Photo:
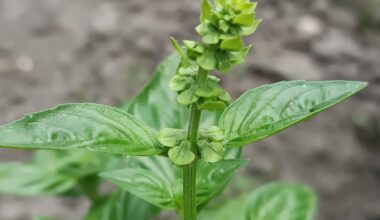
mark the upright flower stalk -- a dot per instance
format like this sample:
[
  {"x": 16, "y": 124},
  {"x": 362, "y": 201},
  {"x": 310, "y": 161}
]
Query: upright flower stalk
[{"x": 223, "y": 24}]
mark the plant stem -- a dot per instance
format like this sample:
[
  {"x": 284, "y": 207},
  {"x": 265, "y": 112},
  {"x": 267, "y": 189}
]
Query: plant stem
[{"x": 190, "y": 171}]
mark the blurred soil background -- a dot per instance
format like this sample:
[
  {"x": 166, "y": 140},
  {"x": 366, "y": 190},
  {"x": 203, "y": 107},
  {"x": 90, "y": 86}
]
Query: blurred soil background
[{"x": 54, "y": 51}]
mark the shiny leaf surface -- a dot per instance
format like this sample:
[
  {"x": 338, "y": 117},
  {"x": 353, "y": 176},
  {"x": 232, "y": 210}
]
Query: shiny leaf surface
[
  {"x": 81, "y": 126},
  {"x": 269, "y": 109},
  {"x": 212, "y": 178},
  {"x": 278, "y": 201},
  {"x": 144, "y": 184}
]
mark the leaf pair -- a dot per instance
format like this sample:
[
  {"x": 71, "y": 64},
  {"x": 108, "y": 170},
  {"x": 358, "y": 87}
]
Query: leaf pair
[
  {"x": 157, "y": 181},
  {"x": 155, "y": 95}
]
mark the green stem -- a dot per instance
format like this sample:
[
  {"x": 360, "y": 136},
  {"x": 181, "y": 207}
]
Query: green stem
[{"x": 190, "y": 171}]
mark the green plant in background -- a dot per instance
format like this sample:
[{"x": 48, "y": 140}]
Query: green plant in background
[{"x": 176, "y": 148}]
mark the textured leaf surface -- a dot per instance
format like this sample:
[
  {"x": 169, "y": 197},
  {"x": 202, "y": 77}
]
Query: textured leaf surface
[
  {"x": 121, "y": 205},
  {"x": 279, "y": 201},
  {"x": 64, "y": 171},
  {"x": 157, "y": 105},
  {"x": 266, "y": 110},
  {"x": 81, "y": 126},
  {"x": 212, "y": 178},
  {"x": 144, "y": 184},
  {"x": 27, "y": 179},
  {"x": 150, "y": 102}
]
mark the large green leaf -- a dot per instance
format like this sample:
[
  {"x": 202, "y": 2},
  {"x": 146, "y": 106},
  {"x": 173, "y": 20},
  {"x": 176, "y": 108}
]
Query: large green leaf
[
  {"x": 266, "y": 110},
  {"x": 157, "y": 104},
  {"x": 28, "y": 179},
  {"x": 275, "y": 201},
  {"x": 81, "y": 126},
  {"x": 278, "y": 201},
  {"x": 143, "y": 184},
  {"x": 121, "y": 205},
  {"x": 62, "y": 175}
]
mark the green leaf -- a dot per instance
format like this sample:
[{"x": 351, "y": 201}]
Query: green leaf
[
  {"x": 211, "y": 105},
  {"x": 211, "y": 38},
  {"x": 179, "y": 83},
  {"x": 207, "y": 60},
  {"x": 188, "y": 97},
  {"x": 147, "y": 105},
  {"x": 81, "y": 126},
  {"x": 144, "y": 184},
  {"x": 212, "y": 133},
  {"x": 228, "y": 210},
  {"x": 170, "y": 137},
  {"x": 234, "y": 44},
  {"x": 208, "y": 89},
  {"x": 62, "y": 177},
  {"x": 252, "y": 28},
  {"x": 206, "y": 10},
  {"x": 212, "y": 178},
  {"x": 239, "y": 57},
  {"x": 269, "y": 109},
  {"x": 244, "y": 19},
  {"x": 278, "y": 201},
  {"x": 188, "y": 68},
  {"x": 211, "y": 152},
  {"x": 182, "y": 155},
  {"x": 177, "y": 47},
  {"x": 121, "y": 205},
  {"x": 29, "y": 179}
]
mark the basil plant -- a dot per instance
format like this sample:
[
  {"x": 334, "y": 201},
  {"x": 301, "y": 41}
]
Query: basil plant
[{"x": 178, "y": 143}]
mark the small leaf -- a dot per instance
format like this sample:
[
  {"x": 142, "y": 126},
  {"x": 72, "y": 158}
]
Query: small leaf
[
  {"x": 244, "y": 19},
  {"x": 224, "y": 63},
  {"x": 211, "y": 38},
  {"x": 170, "y": 137},
  {"x": 211, "y": 152},
  {"x": 278, "y": 201},
  {"x": 208, "y": 89},
  {"x": 206, "y": 10},
  {"x": 252, "y": 28},
  {"x": 179, "y": 83},
  {"x": 87, "y": 126},
  {"x": 269, "y": 109},
  {"x": 187, "y": 97},
  {"x": 212, "y": 105},
  {"x": 239, "y": 57},
  {"x": 182, "y": 155},
  {"x": 212, "y": 133},
  {"x": 234, "y": 44},
  {"x": 177, "y": 47},
  {"x": 224, "y": 26},
  {"x": 143, "y": 184},
  {"x": 225, "y": 96},
  {"x": 207, "y": 60}
]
